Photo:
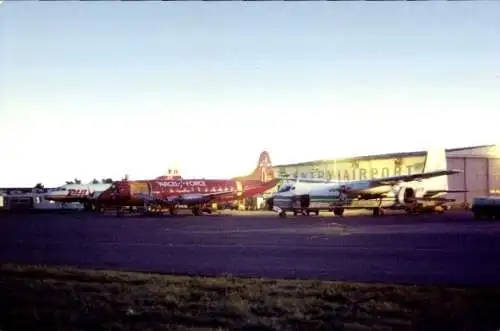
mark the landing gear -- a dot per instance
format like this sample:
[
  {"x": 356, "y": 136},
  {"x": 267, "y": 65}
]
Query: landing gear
[
  {"x": 308, "y": 212},
  {"x": 152, "y": 210},
  {"x": 98, "y": 208},
  {"x": 87, "y": 206},
  {"x": 158, "y": 210},
  {"x": 337, "y": 211},
  {"x": 270, "y": 203},
  {"x": 196, "y": 211},
  {"x": 410, "y": 211},
  {"x": 378, "y": 212},
  {"x": 439, "y": 209},
  {"x": 119, "y": 211}
]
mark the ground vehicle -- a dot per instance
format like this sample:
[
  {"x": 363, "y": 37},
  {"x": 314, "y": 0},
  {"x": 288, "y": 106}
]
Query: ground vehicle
[{"x": 486, "y": 208}]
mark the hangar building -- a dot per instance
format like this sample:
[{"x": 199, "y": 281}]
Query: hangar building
[{"x": 480, "y": 165}]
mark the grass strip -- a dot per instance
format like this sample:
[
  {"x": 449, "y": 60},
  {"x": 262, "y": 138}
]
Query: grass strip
[{"x": 59, "y": 298}]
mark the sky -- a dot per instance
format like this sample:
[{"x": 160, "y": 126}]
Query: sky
[{"x": 103, "y": 89}]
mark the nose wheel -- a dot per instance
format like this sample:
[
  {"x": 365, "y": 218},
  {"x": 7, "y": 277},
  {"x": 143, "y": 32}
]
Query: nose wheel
[{"x": 378, "y": 212}]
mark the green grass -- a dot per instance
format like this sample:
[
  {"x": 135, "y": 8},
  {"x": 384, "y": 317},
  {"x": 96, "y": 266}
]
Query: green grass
[{"x": 42, "y": 298}]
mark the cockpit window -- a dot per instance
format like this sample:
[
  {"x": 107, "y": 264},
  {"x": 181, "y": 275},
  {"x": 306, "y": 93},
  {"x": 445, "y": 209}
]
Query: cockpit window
[{"x": 285, "y": 188}]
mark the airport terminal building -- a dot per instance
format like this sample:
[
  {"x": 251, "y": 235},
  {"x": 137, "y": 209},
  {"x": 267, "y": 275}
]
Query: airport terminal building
[{"x": 480, "y": 166}]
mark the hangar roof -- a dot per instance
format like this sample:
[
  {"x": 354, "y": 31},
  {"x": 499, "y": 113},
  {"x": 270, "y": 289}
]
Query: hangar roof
[
  {"x": 382, "y": 156},
  {"x": 484, "y": 151}
]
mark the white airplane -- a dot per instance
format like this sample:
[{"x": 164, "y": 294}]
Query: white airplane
[
  {"x": 410, "y": 192},
  {"x": 82, "y": 193}
]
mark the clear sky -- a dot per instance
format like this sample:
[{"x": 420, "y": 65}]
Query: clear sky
[{"x": 93, "y": 89}]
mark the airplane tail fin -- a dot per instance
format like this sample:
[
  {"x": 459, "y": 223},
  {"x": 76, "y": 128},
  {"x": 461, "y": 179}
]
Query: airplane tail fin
[
  {"x": 263, "y": 171},
  {"x": 434, "y": 161}
]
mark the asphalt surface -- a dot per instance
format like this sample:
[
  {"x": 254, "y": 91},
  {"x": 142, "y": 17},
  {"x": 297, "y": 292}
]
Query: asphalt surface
[{"x": 451, "y": 248}]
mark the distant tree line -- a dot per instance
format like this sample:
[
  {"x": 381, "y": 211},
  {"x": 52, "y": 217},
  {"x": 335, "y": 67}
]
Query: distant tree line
[{"x": 40, "y": 186}]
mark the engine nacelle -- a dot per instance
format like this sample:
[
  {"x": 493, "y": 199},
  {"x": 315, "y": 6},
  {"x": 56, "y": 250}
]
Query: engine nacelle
[
  {"x": 195, "y": 198},
  {"x": 406, "y": 195}
]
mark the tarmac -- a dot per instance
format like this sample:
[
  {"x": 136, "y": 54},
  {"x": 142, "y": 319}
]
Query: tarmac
[{"x": 451, "y": 248}]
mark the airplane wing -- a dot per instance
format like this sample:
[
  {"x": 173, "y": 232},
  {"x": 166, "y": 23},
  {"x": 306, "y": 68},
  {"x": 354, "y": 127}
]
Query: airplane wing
[
  {"x": 393, "y": 180},
  {"x": 373, "y": 184},
  {"x": 431, "y": 193},
  {"x": 414, "y": 177},
  {"x": 147, "y": 198},
  {"x": 188, "y": 198}
]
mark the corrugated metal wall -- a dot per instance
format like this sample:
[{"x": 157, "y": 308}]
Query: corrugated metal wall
[
  {"x": 494, "y": 176},
  {"x": 456, "y": 182},
  {"x": 481, "y": 177},
  {"x": 476, "y": 174}
]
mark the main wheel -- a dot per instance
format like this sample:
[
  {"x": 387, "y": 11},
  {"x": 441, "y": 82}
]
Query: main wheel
[
  {"x": 337, "y": 211},
  {"x": 196, "y": 211},
  {"x": 270, "y": 203}
]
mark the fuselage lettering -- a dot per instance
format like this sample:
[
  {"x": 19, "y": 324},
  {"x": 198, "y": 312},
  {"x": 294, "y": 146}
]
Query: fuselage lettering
[
  {"x": 77, "y": 192},
  {"x": 183, "y": 183}
]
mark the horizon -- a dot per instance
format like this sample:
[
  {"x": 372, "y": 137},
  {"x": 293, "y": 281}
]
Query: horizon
[{"x": 99, "y": 90}]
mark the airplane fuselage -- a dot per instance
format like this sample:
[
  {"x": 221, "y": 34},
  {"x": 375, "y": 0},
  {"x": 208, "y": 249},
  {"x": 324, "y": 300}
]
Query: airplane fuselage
[
  {"x": 357, "y": 195},
  {"x": 76, "y": 192},
  {"x": 130, "y": 193}
]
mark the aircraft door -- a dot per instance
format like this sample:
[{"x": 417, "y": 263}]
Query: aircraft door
[{"x": 138, "y": 188}]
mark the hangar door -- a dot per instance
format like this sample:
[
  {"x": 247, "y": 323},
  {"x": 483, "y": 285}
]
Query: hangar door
[
  {"x": 456, "y": 182},
  {"x": 494, "y": 176},
  {"x": 476, "y": 175}
]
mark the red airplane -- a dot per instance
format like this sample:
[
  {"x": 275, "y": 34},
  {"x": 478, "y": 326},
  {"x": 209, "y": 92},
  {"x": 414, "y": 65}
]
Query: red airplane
[{"x": 170, "y": 192}]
